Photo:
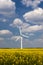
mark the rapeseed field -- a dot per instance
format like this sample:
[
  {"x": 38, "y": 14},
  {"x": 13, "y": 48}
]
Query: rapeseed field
[{"x": 29, "y": 56}]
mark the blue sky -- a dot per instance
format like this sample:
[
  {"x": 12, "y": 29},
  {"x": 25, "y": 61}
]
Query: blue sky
[{"x": 26, "y": 15}]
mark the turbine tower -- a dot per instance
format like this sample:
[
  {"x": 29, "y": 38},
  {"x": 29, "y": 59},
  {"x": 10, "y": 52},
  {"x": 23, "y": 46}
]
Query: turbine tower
[{"x": 21, "y": 43}]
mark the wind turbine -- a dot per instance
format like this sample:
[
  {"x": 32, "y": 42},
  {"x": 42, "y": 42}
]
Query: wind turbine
[
  {"x": 19, "y": 24},
  {"x": 21, "y": 36}
]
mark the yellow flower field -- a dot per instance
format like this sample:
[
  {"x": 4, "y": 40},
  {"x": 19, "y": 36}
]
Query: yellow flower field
[{"x": 29, "y": 56}]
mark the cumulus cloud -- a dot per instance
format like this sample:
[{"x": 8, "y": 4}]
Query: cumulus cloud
[
  {"x": 3, "y": 20},
  {"x": 33, "y": 28},
  {"x": 35, "y": 16},
  {"x": 5, "y": 33},
  {"x": 16, "y": 23},
  {"x": 7, "y": 7},
  {"x": 5, "y": 40},
  {"x": 19, "y": 23},
  {"x": 6, "y": 3},
  {"x": 32, "y": 3}
]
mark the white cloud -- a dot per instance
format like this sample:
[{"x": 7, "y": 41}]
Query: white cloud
[
  {"x": 7, "y": 7},
  {"x": 35, "y": 16},
  {"x": 5, "y": 32},
  {"x": 19, "y": 23},
  {"x": 3, "y": 20},
  {"x": 6, "y": 3},
  {"x": 5, "y": 35},
  {"x": 33, "y": 28},
  {"x": 33, "y": 3}
]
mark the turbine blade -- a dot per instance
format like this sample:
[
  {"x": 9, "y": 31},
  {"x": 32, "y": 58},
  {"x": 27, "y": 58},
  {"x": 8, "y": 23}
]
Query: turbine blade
[
  {"x": 24, "y": 36},
  {"x": 17, "y": 38}
]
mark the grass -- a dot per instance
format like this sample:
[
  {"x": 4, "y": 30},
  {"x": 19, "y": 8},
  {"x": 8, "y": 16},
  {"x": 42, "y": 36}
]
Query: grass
[{"x": 31, "y": 56}]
